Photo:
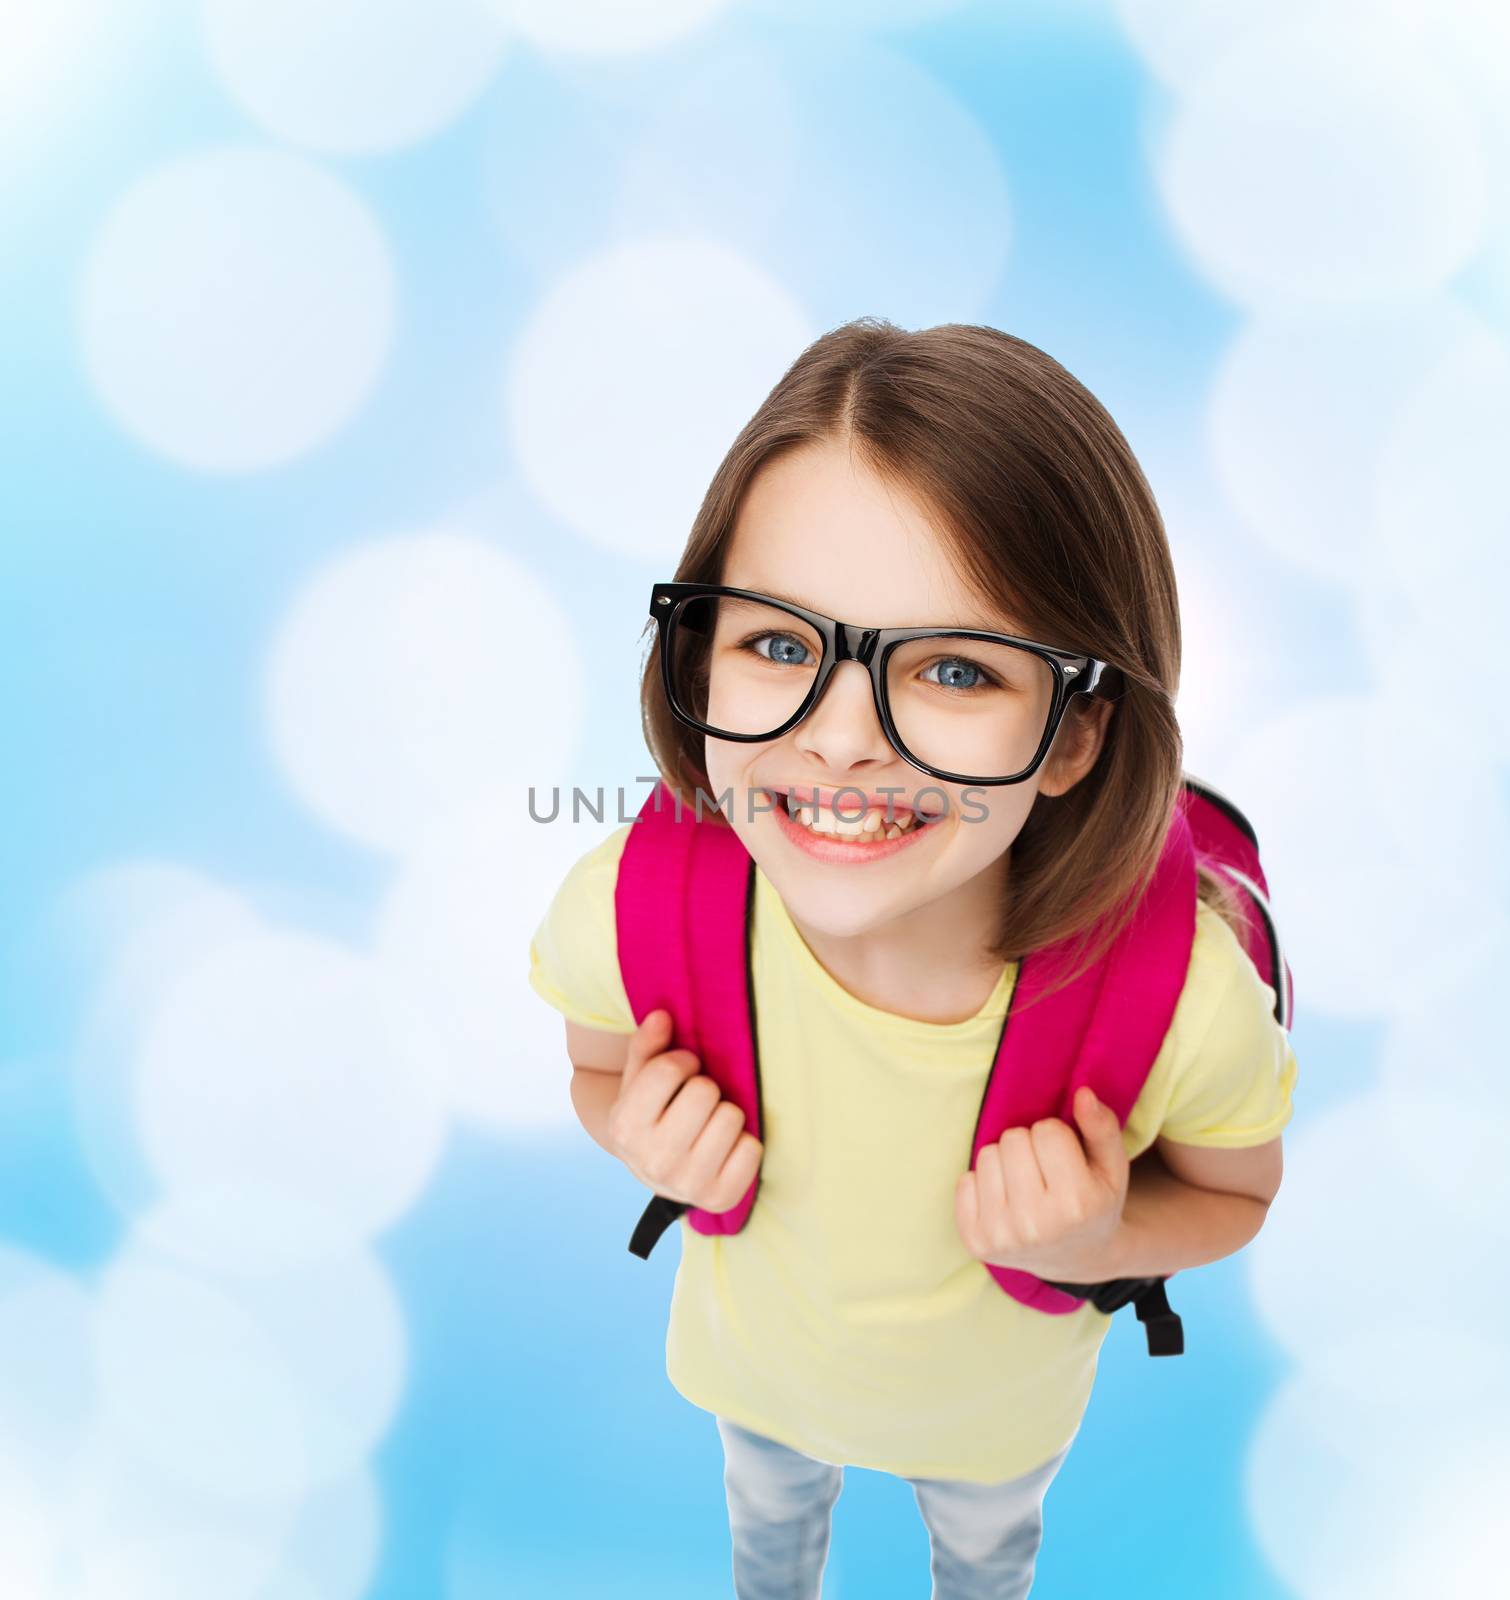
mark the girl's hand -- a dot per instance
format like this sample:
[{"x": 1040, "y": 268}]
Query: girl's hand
[
  {"x": 1041, "y": 1202},
  {"x": 671, "y": 1126}
]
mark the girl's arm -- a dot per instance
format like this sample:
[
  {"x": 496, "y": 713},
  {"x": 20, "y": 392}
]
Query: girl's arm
[
  {"x": 1188, "y": 1204},
  {"x": 597, "y": 1060}
]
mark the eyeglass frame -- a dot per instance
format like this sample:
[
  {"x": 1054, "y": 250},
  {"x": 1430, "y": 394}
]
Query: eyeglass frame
[{"x": 1074, "y": 671}]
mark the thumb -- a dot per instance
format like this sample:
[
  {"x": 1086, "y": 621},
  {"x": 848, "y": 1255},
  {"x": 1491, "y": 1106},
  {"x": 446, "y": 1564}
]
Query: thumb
[
  {"x": 1102, "y": 1133},
  {"x": 650, "y": 1038}
]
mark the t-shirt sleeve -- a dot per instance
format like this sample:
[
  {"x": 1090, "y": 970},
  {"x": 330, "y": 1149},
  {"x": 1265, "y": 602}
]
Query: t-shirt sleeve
[
  {"x": 574, "y": 952},
  {"x": 1232, "y": 1081}
]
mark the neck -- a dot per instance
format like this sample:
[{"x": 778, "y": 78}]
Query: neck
[{"x": 932, "y": 964}]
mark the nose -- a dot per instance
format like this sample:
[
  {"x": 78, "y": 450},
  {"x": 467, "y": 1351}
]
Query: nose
[{"x": 843, "y": 729}]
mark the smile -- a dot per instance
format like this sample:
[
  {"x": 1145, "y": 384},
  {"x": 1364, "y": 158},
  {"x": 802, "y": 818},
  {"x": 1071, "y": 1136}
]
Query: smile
[{"x": 810, "y": 819}]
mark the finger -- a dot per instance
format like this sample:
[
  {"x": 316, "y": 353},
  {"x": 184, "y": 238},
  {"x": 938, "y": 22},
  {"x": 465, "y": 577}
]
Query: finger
[
  {"x": 649, "y": 1039},
  {"x": 658, "y": 1083},
  {"x": 657, "y": 1144},
  {"x": 1061, "y": 1156},
  {"x": 679, "y": 1126},
  {"x": 709, "y": 1168},
  {"x": 1025, "y": 1186},
  {"x": 644, "y": 1099},
  {"x": 991, "y": 1191},
  {"x": 967, "y": 1212},
  {"x": 1106, "y": 1154},
  {"x": 737, "y": 1173}
]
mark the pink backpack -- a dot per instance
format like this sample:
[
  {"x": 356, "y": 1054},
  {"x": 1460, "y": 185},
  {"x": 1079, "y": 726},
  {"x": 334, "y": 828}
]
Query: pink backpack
[{"x": 682, "y": 902}]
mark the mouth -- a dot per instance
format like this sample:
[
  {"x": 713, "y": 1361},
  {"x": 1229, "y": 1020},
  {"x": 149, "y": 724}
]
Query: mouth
[{"x": 884, "y": 819}]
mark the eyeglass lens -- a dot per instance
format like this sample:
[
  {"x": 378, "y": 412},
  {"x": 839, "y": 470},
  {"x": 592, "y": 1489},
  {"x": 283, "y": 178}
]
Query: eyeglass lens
[{"x": 968, "y": 706}]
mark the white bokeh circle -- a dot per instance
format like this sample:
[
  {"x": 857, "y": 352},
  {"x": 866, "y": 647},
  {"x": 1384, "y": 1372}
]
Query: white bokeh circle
[
  {"x": 452, "y": 938},
  {"x": 1180, "y": 39},
  {"x": 1346, "y": 1468},
  {"x": 282, "y": 1062},
  {"x": 1450, "y": 1538},
  {"x": 195, "y": 1385},
  {"x": 335, "y": 75},
  {"x": 1443, "y": 1086},
  {"x": 251, "y": 1226},
  {"x": 236, "y": 307},
  {"x": 258, "y": 1389},
  {"x": 413, "y": 670},
  {"x": 137, "y": 1533},
  {"x": 1301, "y": 420},
  {"x": 792, "y": 159},
  {"x": 1430, "y": 598},
  {"x": 632, "y": 376},
  {"x": 137, "y": 926},
  {"x": 1411, "y": 641},
  {"x": 759, "y": 147},
  {"x": 706, "y": 145},
  {"x": 339, "y": 1328},
  {"x": 1352, "y": 1231},
  {"x": 1470, "y": 41},
  {"x": 47, "y": 1382},
  {"x": 1443, "y": 513},
  {"x": 185, "y": 1562},
  {"x": 1225, "y": 646},
  {"x": 1323, "y": 163},
  {"x": 335, "y": 1541},
  {"x": 30, "y": 1539},
  {"x": 1427, "y": 844}
]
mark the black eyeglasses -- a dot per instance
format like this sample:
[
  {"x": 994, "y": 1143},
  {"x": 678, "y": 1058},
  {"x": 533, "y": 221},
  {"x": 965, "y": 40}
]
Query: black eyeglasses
[{"x": 741, "y": 665}]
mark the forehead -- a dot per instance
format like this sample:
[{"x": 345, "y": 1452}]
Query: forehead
[{"x": 819, "y": 529}]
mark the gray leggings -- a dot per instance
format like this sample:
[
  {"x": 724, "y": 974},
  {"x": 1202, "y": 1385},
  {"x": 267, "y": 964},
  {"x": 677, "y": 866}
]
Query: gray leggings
[{"x": 984, "y": 1537}]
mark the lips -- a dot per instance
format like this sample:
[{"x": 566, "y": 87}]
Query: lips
[{"x": 824, "y": 839}]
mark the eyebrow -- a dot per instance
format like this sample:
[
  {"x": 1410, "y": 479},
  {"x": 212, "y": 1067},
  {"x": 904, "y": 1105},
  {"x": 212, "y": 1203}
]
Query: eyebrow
[
  {"x": 776, "y": 594},
  {"x": 807, "y": 605}
]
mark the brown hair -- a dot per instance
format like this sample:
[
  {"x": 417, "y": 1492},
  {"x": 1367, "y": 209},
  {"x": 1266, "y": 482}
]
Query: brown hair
[{"x": 1040, "y": 501}]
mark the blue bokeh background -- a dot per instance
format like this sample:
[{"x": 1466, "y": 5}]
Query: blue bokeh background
[{"x": 360, "y": 368}]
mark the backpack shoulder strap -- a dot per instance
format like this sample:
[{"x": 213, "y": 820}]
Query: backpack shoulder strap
[
  {"x": 1225, "y": 840},
  {"x": 682, "y": 903},
  {"x": 1105, "y": 1029}
]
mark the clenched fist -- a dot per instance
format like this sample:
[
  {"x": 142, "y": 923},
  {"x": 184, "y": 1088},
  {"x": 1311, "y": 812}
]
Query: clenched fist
[
  {"x": 672, "y": 1128},
  {"x": 1042, "y": 1202}
]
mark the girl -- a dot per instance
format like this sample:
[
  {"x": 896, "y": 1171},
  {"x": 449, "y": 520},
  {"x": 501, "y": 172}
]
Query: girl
[{"x": 951, "y": 477}]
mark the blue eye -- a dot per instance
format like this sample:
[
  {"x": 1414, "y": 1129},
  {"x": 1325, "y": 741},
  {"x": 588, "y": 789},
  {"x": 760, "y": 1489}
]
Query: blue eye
[
  {"x": 782, "y": 644},
  {"x": 957, "y": 674}
]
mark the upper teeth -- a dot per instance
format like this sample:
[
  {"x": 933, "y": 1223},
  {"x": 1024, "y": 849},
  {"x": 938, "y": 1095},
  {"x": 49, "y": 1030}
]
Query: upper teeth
[{"x": 871, "y": 823}]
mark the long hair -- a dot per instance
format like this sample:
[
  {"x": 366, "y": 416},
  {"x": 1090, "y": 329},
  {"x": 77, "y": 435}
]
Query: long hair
[{"x": 1041, "y": 503}]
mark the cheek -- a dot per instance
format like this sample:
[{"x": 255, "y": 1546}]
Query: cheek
[
  {"x": 713, "y": 762},
  {"x": 729, "y": 767},
  {"x": 989, "y": 821},
  {"x": 727, "y": 764}
]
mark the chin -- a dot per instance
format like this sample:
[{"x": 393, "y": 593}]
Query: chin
[{"x": 830, "y": 915}]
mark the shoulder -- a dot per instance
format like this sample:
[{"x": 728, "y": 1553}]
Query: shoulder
[
  {"x": 599, "y": 865},
  {"x": 574, "y": 952},
  {"x": 1224, "y": 1074},
  {"x": 585, "y": 899},
  {"x": 1221, "y": 977}
]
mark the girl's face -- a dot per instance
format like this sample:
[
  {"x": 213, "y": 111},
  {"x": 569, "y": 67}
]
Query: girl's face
[{"x": 821, "y": 529}]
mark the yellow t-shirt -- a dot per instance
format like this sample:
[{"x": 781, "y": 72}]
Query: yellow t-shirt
[{"x": 847, "y": 1319}]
